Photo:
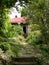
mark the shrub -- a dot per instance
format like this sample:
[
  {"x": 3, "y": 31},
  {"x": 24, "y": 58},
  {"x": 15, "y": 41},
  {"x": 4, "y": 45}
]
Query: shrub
[
  {"x": 4, "y": 46},
  {"x": 18, "y": 29},
  {"x": 10, "y": 48},
  {"x": 34, "y": 37},
  {"x": 7, "y": 51},
  {"x": 14, "y": 30}
]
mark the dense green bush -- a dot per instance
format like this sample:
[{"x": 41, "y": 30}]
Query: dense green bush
[
  {"x": 44, "y": 50},
  {"x": 4, "y": 46},
  {"x": 14, "y": 30},
  {"x": 8, "y": 29},
  {"x": 34, "y": 37},
  {"x": 8, "y": 47},
  {"x": 8, "y": 50},
  {"x": 18, "y": 29},
  {"x": 34, "y": 27}
]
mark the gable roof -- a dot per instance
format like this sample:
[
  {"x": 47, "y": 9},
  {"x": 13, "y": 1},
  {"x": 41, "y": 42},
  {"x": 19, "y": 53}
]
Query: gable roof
[{"x": 18, "y": 20}]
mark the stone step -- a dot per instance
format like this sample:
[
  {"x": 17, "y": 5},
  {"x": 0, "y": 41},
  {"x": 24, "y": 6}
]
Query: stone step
[{"x": 25, "y": 61}]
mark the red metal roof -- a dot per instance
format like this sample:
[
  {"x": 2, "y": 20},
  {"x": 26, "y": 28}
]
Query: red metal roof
[{"x": 18, "y": 20}]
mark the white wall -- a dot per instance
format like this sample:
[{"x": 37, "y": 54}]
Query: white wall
[{"x": 14, "y": 12}]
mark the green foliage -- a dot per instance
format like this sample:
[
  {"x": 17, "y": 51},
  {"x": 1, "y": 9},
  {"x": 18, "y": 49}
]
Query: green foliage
[
  {"x": 13, "y": 30},
  {"x": 34, "y": 37},
  {"x": 18, "y": 29},
  {"x": 4, "y": 46},
  {"x": 7, "y": 3},
  {"x": 24, "y": 12},
  {"x": 34, "y": 27},
  {"x": 38, "y": 12},
  {"x": 4, "y": 5},
  {"x": 44, "y": 49},
  {"x": 10, "y": 48},
  {"x": 4, "y": 19}
]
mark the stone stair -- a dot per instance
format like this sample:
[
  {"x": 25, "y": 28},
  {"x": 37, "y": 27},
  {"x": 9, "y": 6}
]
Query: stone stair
[
  {"x": 28, "y": 50},
  {"x": 25, "y": 61},
  {"x": 27, "y": 55}
]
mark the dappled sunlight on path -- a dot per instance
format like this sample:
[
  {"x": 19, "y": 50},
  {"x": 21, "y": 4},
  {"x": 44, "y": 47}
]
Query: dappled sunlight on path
[
  {"x": 29, "y": 50},
  {"x": 25, "y": 50}
]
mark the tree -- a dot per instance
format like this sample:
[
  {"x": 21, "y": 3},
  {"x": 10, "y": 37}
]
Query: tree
[
  {"x": 4, "y": 5},
  {"x": 38, "y": 11}
]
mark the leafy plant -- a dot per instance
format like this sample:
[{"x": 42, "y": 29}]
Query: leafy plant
[{"x": 34, "y": 37}]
